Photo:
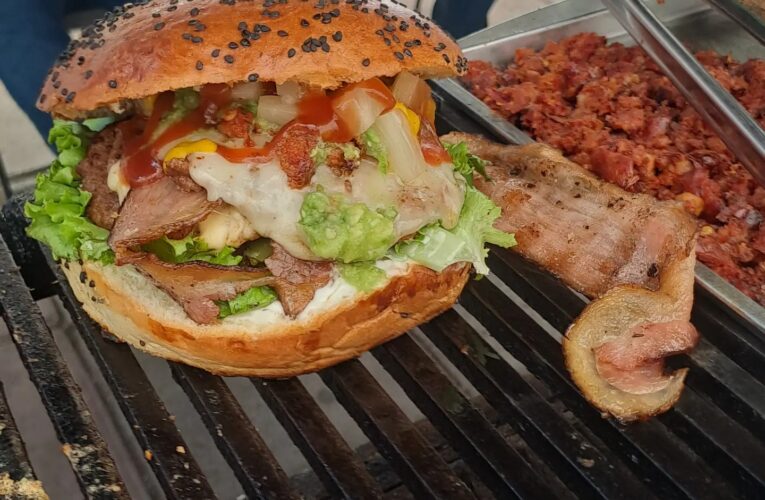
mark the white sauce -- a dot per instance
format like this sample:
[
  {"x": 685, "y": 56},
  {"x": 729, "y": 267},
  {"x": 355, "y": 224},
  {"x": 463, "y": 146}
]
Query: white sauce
[{"x": 116, "y": 181}]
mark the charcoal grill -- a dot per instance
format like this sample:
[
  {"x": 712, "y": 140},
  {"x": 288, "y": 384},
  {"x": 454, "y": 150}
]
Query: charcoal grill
[{"x": 527, "y": 434}]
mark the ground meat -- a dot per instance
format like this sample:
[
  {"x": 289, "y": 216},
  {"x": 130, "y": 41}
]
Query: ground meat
[
  {"x": 104, "y": 151},
  {"x": 293, "y": 145},
  {"x": 338, "y": 164},
  {"x": 610, "y": 109},
  {"x": 236, "y": 123}
]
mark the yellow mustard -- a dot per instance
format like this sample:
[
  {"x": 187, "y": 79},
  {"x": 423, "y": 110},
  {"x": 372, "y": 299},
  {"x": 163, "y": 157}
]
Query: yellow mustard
[
  {"x": 411, "y": 117},
  {"x": 183, "y": 149}
]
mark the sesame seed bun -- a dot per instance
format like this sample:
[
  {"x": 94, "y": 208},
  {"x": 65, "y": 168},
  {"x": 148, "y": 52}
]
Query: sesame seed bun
[
  {"x": 150, "y": 47},
  {"x": 130, "y": 307}
]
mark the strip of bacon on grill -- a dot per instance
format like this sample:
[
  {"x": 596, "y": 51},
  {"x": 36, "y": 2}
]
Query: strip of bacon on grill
[{"x": 632, "y": 254}]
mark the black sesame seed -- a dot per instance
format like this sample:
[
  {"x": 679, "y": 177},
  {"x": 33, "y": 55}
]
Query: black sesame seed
[
  {"x": 56, "y": 85},
  {"x": 338, "y": 36},
  {"x": 196, "y": 39},
  {"x": 242, "y": 26},
  {"x": 159, "y": 26},
  {"x": 264, "y": 28},
  {"x": 64, "y": 91},
  {"x": 380, "y": 32},
  {"x": 282, "y": 33},
  {"x": 88, "y": 74},
  {"x": 446, "y": 58},
  {"x": 325, "y": 47},
  {"x": 335, "y": 12},
  {"x": 439, "y": 47},
  {"x": 194, "y": 12},
  {"x": 317, "y": 16},
  {"x": 291, "y": 53},
  {"x": 395, "y": 38},
  {"x": 326, "y": 19},
  {"x": 408, "y": 52},
  {"x": 304, "y": 23},
  {"x": 233, "y": 45},
  {"x": 54, "y": 76},
  {"x": 215, "y": 53},
  {"x": 365, "y": 62},
  {"x": 200, "y": 65},
  {"x": 244, "y": 42},
  {"x": 80, "y": 60},
  {"x": 253, "y": 77},
  {"x": 322, "y": 39},
  {"x": 42, "y": 98},
  {"x": 186, "y": 36},
  {"x": 200, "y": 27},
  {"x": 155, "y": 14},
  {"x": 387, "y": 41},
  {"x": 399, "y": 55},
  {"x": 83, "y": 277},
  {"x": 172, "y": 8},
  {"x": 92, "y": 284},
  {"x": 228, "y": 58},
  {"x": 255, "y": 36},
  {"x": 390, "y": 28},
  {"x": 113, "y": 84}
]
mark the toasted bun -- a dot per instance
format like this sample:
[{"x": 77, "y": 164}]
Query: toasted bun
[
  {"x": 142, "y": 50},
  {"x": 129, "y": 306}
]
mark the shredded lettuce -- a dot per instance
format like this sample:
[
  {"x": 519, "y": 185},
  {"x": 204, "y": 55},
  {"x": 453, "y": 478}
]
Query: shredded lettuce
[
  {"x": 374, "y": 147},
  {"x": 464, "y": 162},
  {"x": 255, "y": 297},
  {"x": 191, "y": 248},
  {"x": 437, "y": 248},
  {"x": 338, "y": 229},
  {"x": 57, "y": 213},
  {"x": 364, "y": 276},
  {"x": 98, "y": 124}
]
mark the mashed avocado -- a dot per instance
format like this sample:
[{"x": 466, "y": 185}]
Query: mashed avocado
[{"x": 340, "y": 230}]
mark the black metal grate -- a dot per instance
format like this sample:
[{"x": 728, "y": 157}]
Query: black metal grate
[{"x": 529, "y": 434}]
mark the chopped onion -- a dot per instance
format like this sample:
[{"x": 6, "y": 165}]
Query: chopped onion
[
  {"x": 249, "y": 91},
  {"x": 273, "y": 109},
  {"x": 404, "y": 152},
  {"x": 290, "y": 92},
  {"x": 359, "y": 105},
  {"x": 410, "y": 90}
]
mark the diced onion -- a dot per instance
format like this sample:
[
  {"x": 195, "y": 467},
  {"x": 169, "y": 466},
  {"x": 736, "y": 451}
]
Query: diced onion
[
  {"x": 290, "y": 92},
  {"x": 404, "y": 152},
  {"x": 413, "y": 92},
  {"x": 249, "y": 91},
  {"x": 273, "y": 109},
  {"x": 359, "y": 105}
]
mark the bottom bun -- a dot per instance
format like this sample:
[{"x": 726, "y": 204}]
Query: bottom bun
[{"x": 339, "y": 324}]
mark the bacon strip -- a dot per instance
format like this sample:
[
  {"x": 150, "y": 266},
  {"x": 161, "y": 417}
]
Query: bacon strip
[
  {"x": 298, "y": 279},
  {"x": 591, "y": 234},
  {"x": 196, "y": 286},
  {"x": 155, "y": 210},
  {"x": 103, "y": 152},
  {"x": 633, "y": 254}
]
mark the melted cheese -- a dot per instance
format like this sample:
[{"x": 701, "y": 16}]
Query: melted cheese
[
  {"x": 262, "y": 194},
  {"x": 116, "y": 181}
]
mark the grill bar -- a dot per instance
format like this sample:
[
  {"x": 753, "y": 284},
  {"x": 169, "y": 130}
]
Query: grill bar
[
  {"x": 499, "y": 466},
  {"x": 577, "y": 460},
  {"x": 237, "y": 439},
  {"x": 392, "y": 433},
  {"x": 13, "y": 454},
  {"x": 87, "y": 452},
  {"x": 334, "y": 462},
  {"x": 694, "y": 428},
  {"x": 655, "y": 452},
  {"x": 154, "y": 429}
]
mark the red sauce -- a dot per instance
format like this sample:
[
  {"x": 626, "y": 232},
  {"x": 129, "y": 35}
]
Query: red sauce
[
  {"x": 432, "y": 150},
  {"x": 142, "y": 165},
  {"x": 317, "y": 109},
  {"x": 242, "y": 155}
]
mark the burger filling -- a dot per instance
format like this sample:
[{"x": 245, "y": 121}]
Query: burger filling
[{"x": 231, "y": 198}]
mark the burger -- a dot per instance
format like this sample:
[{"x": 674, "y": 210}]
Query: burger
[{"x": 257, "y": 187}]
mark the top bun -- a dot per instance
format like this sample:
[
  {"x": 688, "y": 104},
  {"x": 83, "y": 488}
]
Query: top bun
[{"x": 149, "y": 47}]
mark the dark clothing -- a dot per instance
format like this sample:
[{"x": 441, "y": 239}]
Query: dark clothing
[{"x": 32, "y": 35}]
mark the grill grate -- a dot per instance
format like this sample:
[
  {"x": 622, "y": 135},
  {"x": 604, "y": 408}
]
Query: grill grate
[{"x": 528, "y": 434}]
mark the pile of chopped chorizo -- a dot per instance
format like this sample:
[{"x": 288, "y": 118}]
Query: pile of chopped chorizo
[{"x": 610, "y": 109}]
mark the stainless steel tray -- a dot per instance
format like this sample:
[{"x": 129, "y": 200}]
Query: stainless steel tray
[{"x": 694, "y": 22}]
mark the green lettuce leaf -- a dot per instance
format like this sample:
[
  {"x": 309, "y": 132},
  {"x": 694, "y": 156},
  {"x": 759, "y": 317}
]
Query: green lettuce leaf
[
  {"x": 255, "y": 297},
  {"x": 437, "y": 248},
  {"x": 340, "y": 230},
  {"x": 464, "y": 162},
  {"x": 364, "y": 276},
  {"x": 375, "y": 148},
  {"x": 320, "y": 152},
  {"x": 57, "y": 213},
  {"x": 191, "y": 248}
]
